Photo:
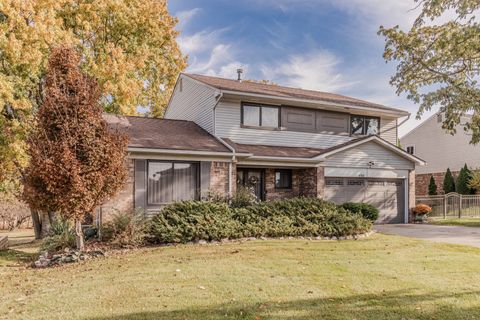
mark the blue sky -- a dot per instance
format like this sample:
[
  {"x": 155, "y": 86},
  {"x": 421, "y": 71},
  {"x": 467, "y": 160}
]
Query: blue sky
[{"x": 327, "y": 45}]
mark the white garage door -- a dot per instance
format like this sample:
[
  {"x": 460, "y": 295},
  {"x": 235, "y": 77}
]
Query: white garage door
[{"x": 386, "y": 194}]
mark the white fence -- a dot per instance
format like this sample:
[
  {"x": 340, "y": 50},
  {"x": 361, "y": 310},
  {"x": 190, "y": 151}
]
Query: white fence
[{"x": 452, "y": 205}]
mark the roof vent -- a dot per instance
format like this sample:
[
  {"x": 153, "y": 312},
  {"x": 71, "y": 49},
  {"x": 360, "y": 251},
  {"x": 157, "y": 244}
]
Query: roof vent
[{"x": 239, "y": 74}]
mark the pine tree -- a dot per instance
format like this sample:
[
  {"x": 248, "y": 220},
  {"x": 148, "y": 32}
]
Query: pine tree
[
  {"x": 432, "y": 187},
  {"x": 448, "y": 182},
  {"x": 463, "y": 181},
  {"x": 77, "y": 162}
]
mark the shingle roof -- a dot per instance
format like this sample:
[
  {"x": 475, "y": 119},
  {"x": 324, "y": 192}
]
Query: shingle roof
[
  {"x": 274, "y": 151},
  {"x": 286, "y": 92},
  {"x": 156, "y": 133},
  {"x": 287, "y": 152}
]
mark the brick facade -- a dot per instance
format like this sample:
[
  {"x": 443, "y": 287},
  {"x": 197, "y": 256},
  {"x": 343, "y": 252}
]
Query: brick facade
[
  {"x": 219, "y": 182},
  {"x": 271, "y": 193},
  {"x": 422, "y": 181},
  {"x": 124, "y": 199},
  {"x": 308, "y": 182}
]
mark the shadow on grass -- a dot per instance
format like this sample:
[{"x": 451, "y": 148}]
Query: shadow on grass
[
  {"x": 390, "y": 305},
  {"x": 15, "y": 256}
]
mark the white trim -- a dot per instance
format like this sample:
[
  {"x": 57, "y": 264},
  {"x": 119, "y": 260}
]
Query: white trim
[
  {"x": 285, "y": 159},
  {"x": 180, "y": 152},
  {"x": 379, "y": 141},
  {"x": 406, "y": 186}
]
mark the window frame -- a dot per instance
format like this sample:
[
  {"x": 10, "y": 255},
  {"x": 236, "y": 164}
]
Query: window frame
[
  {"x": 290, "y": 179},
  {"x": 413, "y": 149},
  {"x": 260, "y": 106},
  {"x": 172, "y": 162},
  {"x": 364, "y": 128}
]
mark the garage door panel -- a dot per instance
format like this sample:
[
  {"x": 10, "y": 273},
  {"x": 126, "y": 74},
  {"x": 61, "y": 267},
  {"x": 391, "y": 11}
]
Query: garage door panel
[{"x": 387, "y": 195}]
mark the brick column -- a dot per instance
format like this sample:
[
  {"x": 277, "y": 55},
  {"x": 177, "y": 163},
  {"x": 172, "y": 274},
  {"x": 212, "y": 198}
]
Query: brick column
[
  {"x": 320, "y": 182},
  {"x": 411, "y": 194}
]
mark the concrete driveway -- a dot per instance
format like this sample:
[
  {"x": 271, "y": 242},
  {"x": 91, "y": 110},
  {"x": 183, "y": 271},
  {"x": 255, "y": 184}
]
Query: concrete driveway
[{"x": 469, "y": 236}]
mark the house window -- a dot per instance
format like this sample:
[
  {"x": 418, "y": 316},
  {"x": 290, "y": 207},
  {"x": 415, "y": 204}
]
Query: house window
[
  {"x": 411, "y": 150},
  {"x": 260, "y": 116},
  {"x": 172, "y": 181},
  {"x": 283, "y": 179},
  {"x": 362, "y": 125}
]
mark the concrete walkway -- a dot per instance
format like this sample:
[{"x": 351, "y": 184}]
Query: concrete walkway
[{"x": 469, "y": 236}]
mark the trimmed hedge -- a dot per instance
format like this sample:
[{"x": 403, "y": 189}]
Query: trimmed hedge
[
  {"x": 366, "y": 210},
  {"x": 196, "y": 220},
  {"x": 187, "y": 221}
]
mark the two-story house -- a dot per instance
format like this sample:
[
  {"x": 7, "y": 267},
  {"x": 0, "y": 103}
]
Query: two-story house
[
  {"x": 440, "y": 150},
  {"x": 220, "y": 134}
]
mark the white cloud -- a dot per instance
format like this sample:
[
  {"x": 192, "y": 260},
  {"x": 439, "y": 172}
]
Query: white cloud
[
  {"x": 184, "y": 17},
  {"x": 201, "y": 41},
  {"x": 221, "y": 62},
  {"x": 317, "y": 70}
]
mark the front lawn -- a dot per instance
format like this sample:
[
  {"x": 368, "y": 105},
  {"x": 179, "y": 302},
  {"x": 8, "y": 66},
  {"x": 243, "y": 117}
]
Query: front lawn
[
  {"x": 382, "y": 277},
  {"x": 466, "y": 222}
]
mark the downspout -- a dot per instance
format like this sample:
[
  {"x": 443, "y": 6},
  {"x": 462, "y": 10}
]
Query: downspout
[{"x": 218, "y": 97}]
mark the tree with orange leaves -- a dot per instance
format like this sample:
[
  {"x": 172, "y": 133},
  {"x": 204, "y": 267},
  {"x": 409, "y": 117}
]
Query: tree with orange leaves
[{"x": 77, "y": 161}]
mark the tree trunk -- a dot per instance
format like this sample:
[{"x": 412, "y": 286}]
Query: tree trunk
[
  {"x": 45, "y": 222},
  {"x": 79, "y": 235},
  {"x": 37, "y": 226}
]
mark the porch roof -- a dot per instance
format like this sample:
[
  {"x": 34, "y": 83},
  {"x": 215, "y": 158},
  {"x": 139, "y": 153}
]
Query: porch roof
[
  {"x": 274, "y": 151},
  {"x": 165, "y": 134}
]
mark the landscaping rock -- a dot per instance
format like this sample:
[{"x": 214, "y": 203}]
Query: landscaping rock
[{"x": 68, "y": 256}]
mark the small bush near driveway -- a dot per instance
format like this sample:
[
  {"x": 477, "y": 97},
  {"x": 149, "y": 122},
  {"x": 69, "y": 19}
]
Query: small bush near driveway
[{"x": 195, "y": 220}]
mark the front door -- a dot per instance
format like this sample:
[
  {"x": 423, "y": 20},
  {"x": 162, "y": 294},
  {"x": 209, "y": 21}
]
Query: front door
[{"x": 253, "y": 179}]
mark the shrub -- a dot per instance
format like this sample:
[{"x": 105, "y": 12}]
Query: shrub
[
  {"x": 243, "y": 197},
  {"x": 432, "y": 187},
  {"x": 193, "y": 220},
  {"x": 448, "y": 182},
  {"x": 187, "y": 221},
  {"x": 463, "y": 179},
  {"x": 126, "y": 229},
  {"x": 300, "y": 217},
  {"x": 421, "y": 209},
  {"x": 61, "y": 236},
  {"x": 474, "y": 182},
  {"x": 368, "y": 211}
]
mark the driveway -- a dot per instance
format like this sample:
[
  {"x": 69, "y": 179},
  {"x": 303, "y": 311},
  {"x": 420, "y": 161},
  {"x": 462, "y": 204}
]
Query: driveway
[{"x": 469, "y": 236}]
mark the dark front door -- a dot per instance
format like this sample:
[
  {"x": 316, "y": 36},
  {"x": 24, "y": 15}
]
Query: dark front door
[{"x": 253, "y": 179}]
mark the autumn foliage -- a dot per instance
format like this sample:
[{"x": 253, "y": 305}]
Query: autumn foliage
[
  {"x": 422, "y": 209},
  {"x": 77, "y": 162}
]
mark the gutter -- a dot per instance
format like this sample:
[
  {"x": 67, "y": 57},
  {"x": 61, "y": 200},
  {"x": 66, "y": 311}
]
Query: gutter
[{"x": 182, "y": 152}]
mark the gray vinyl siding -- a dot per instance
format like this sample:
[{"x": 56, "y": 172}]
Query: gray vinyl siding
[
  {"x": 192, "y": 101},
  {"x": 228, "y": 126},
  {"x": 441, "y": 150},
  {"x": 360, "y": 156},
  {"x": 388, "y": 129}
]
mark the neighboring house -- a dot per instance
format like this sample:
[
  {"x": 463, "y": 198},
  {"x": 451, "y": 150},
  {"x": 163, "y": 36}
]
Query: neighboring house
[
  {"x": 440, "y": 150},
  {"x": 220, "y": 134}
]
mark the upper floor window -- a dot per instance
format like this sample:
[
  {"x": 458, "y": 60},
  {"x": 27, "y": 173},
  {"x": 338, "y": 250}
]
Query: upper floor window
[
  {"x": 363, "y": 125},
  {"x": 260, "y": 116},
  {"x": 411, "y": 150}
]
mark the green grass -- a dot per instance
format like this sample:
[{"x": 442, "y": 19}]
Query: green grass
[
  {"x": 383, "y": 277},
  {"x": 466, "y": 222}
]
